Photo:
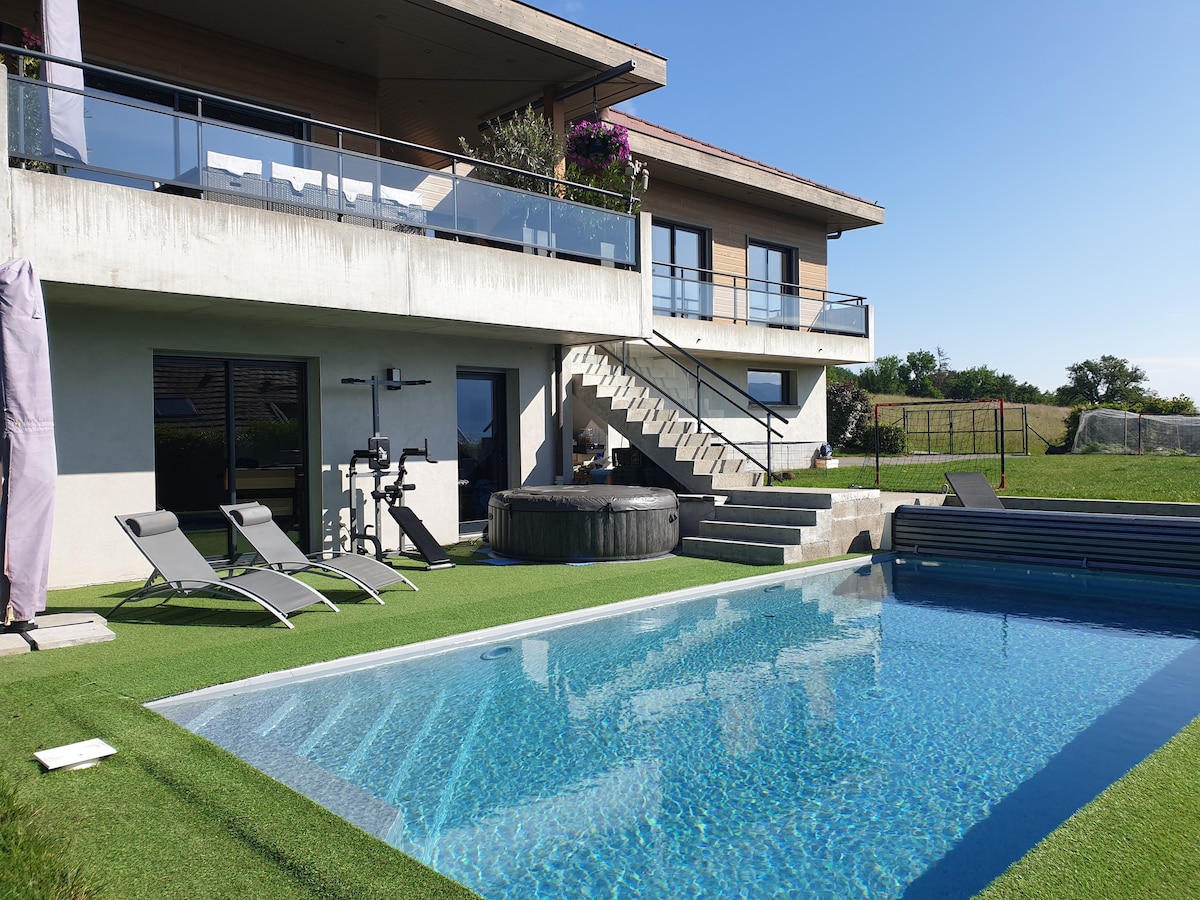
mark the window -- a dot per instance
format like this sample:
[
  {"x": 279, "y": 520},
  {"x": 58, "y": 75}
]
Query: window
[
  {"x": 682, "y": 281},
  {"x": 772, "y": 298},
  {"x": 772, "y": 387}
]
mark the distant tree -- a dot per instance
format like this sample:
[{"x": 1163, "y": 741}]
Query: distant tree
[
  {"x": 1107, "y": 381},
  {"x": 848, "y": 413},
  {"x": 918, "y": 371},
  {"x": 1182, "y": 405},
  {"x": 883, "y": 377},
  {"x": 977, "y": 383},
  {"x": 943, "y": 378},
  {"x": 839, "y": 375}
]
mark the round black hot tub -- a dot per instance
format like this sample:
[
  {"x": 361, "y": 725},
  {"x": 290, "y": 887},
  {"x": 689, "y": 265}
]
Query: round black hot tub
[{"x": 583, "y": 523}]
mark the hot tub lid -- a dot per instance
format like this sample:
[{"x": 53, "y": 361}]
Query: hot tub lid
[{"x": 614, "y": 497}]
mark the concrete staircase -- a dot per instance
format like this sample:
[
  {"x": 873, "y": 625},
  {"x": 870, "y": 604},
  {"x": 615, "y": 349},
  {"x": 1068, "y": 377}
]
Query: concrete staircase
[
  {"x": 729, "y": 515},
  {"x": 651, "y": 423},
  {"x": 779, "y": 526}
]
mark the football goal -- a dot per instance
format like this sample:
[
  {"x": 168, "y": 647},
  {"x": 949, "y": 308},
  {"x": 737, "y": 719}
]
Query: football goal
[{"x": 916, "y": 443}]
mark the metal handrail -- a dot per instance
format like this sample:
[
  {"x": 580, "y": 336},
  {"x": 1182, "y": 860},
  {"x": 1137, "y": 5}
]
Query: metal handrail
[
  {"x": 340, "y": 130},
  {"x": 696, "y": 415},
  {"x": 788, "y": 288},
  {"x": 710, "y": 370},
  {"x": 692, "y": 292},
  {"x": 701, "y": 424}
]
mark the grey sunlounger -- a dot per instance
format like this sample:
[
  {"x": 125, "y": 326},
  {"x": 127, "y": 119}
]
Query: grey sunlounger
[
  {"x": 277, "y": 551},
  {"x": 973, "y": 490},
  {"x": 180, "y": 569}
]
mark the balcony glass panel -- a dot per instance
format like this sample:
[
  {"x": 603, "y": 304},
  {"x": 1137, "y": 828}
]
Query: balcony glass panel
[
  {"x": 743, "y": 301},
  {"x": 131, "y": 141}
]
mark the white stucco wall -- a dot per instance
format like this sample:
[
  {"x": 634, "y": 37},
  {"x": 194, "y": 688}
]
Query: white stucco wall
[{"x": 102, "y": 362}]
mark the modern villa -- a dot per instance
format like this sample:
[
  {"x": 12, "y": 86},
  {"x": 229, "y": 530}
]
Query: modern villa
[{"x": 277, "y": 249}]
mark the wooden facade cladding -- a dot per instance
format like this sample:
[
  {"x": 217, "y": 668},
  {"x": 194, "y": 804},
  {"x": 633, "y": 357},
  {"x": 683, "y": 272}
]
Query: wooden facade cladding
[
  {"x": 733, "y": 224},
  {"x": 149, "y": 44}
]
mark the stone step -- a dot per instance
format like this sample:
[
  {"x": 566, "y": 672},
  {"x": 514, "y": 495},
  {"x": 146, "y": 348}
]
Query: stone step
[
  {"x": 796, "y": 498},
  {"x": 752, "y": 532},
  {"x": 717, "y": 466},
  {"x": 708, "y": 451},
  {"x": 724, "y": 482},
  {"x": 752, "y": 553},
  {"x": 766, "y": 515},
  {"x": 59, "y": 630}
]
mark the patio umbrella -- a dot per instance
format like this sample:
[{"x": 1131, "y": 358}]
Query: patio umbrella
[{"x": 28, "y": 464}]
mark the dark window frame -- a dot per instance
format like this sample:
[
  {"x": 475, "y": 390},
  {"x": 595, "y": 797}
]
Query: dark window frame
[{"x": 786, "y": 387}]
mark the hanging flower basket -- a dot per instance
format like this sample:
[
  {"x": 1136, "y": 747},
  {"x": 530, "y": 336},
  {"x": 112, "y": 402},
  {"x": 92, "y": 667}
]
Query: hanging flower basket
[{"x": 597, "y": 145}]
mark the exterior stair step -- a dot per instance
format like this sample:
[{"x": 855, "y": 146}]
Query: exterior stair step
[
  {"x": 766, "y": 515},
  {"x": 752, "y": 552},
  {"x": 753, "y": 532}
]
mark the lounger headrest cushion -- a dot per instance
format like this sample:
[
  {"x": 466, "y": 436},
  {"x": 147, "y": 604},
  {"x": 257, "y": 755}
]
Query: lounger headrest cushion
[
  {"x": 146, "y": 524},
  {"x": 251, "y": 515}
]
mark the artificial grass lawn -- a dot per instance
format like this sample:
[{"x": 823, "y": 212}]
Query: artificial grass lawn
[
  {"x": 173, "y": 815},
  {"x": 1174, "y": 479}
]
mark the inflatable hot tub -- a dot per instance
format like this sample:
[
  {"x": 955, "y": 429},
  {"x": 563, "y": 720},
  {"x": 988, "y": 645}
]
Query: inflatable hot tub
[{"x": 583, "y": 523}]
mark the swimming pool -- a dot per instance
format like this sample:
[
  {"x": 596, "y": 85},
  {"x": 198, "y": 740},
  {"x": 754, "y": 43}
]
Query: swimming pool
[{"x": 899, "y": 728}]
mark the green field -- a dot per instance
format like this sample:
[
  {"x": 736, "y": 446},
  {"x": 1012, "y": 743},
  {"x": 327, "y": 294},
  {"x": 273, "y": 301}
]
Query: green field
[
  {"x": 1046, "y": 423},
  {"x": 1092, "y": 476}
]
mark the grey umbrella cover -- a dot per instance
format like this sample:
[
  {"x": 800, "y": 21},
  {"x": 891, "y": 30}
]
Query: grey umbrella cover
[{"x": 28, "y": 463}]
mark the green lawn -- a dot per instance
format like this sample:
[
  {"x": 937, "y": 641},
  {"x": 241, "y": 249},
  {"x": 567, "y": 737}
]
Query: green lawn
[
  {"x": 173, "y": 815},
  {"x": 1095, "y": 476}
]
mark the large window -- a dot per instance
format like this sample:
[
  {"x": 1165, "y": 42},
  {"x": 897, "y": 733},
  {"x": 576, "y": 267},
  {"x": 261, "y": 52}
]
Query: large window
[
  {"x": 682, "y": 282},
  {"x": 772, "y": 298}
]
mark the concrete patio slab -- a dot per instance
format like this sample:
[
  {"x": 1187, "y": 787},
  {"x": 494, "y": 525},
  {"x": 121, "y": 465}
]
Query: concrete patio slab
[{"x": 12, "y": 644}]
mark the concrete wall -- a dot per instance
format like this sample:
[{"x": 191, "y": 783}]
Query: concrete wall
[
  {"x": 205, "y": 253},
  {"x": 779, "y": 344},
  {"x": 102, "y": 364}
]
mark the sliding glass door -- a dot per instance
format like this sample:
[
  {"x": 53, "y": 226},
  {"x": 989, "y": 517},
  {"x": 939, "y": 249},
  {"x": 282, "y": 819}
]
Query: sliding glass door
[
  {"x": 482, "y": 442},
  {"x": 227, "y": 431}
]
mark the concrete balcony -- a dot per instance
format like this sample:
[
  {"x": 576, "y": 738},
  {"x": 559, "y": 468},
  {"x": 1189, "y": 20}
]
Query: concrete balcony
[
  {"x": 727, "y": 315},
  {"x": 184, "y": 214}
]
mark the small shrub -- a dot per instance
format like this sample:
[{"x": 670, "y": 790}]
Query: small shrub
[
  {"x": 848, "y": 414},
  {"x": 892, "y": 439}
]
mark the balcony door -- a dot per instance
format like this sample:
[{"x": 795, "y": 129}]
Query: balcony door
[
  {"x": 682, "y": 282},
  {"x": 771, "y": 295},
  {"x": 227, "y": 431},
  {"x": 482, "y": 441}
]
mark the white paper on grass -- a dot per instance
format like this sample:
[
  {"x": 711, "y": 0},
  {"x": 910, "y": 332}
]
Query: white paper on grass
[{"x": 75, "y": 756}]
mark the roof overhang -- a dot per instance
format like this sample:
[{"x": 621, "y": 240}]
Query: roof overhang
[
  {"x": 443, "y": 66},
  {"x": 692, "y": 164}
]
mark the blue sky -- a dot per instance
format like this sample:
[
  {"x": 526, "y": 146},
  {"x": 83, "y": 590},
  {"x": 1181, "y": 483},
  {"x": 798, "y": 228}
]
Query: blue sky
[{"x": 1039, "y": 161}]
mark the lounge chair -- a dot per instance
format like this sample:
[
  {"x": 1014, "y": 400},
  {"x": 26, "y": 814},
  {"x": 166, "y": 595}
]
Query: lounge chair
[
  {"x": 277, "y": 551},
  {"x": 973, "y": 490},
  {"x": 180, "y": 569}
]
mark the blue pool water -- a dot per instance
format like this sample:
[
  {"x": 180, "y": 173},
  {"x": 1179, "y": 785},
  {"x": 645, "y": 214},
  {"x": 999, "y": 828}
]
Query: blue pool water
[{"x": 896, "y": 729}]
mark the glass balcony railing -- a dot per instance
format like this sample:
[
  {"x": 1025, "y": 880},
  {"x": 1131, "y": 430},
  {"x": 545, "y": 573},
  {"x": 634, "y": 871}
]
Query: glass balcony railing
[
  {"x": 705, "y": 294},
  {"x": 139, "y": 143}
]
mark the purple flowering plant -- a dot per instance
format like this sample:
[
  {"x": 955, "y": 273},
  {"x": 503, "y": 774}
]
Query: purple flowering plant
[{"x": 597, "y": 145}]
